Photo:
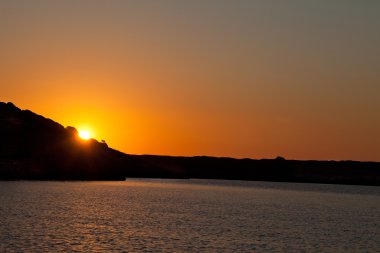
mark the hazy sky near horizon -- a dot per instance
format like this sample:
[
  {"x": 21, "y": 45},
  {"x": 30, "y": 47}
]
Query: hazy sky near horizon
[{"x": 292, "y": 78}]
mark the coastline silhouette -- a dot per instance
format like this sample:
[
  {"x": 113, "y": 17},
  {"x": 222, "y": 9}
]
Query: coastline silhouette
[{"x": 36, "y": 148}]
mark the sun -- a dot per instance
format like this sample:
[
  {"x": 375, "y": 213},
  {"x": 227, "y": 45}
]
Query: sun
[{"x": 84, "y": 134}]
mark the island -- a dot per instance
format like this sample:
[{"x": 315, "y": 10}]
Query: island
[{"x": 37, "y": 148}]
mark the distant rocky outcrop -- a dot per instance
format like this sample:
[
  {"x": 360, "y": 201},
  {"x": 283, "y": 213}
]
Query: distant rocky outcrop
[
  {"x": 33, "y": 147},
  {"x": 36, "y": 148}
]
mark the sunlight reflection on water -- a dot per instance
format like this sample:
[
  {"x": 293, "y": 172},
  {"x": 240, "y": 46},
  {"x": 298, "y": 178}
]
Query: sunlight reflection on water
[{"x": 188, "y": 215}]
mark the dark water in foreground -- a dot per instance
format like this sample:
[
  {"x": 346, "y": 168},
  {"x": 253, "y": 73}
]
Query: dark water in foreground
[{"x": 188, "y": 215}]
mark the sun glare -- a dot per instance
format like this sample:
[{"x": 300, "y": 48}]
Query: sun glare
[{"x": 84, "y": 134}]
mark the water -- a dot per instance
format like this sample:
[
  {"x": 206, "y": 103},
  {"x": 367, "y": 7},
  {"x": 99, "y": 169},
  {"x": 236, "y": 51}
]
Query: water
[{"x": 188, "y": 216}]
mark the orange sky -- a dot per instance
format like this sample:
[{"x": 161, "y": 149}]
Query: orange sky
[{"x": 223, "y": 78}]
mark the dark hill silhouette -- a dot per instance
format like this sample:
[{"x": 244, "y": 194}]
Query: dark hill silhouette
[{"x": 34, "y": 147}]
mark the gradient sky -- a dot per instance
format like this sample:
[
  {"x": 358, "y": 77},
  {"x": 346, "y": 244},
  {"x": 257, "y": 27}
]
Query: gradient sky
[{"x": 299, "y": 79}]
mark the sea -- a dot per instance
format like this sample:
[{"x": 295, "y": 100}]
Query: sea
[{"x": 157, "y": 215}]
